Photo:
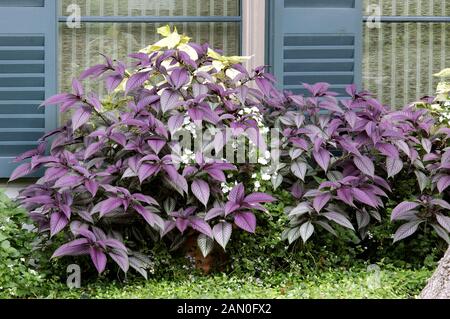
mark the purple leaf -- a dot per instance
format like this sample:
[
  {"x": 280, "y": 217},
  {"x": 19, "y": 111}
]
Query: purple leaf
[
  {"x": 222, "y": 233},
  {"x": 217, "y": 175},
  {"x": 151, "y": 218},
  {"x": 120, "y": 257},
  {"x": 299, "y": 169},
  {"x": 237, "y": 193},
  {"x": 169, "y": 100},
  {"x": 388, "y": 150},
  {"x": 92, "y": 149},
  {"x": 57, "y": 223},
  {"x": 363, "y": 197},
  {"x": 200, "y": 189},
  {"x": 444, "y": 221},
  {"x": 443, "y": 183},
  {"x": 92, "y": 186},
  {"x": 178, "y": 78},
  {"x": 110, "y": 204},
  {"x": 156, "y": 144},
  {"x": 339, "y": 219},
  {"x": 147, "y": 170},
  {"x": 406, "y": 230},
  {"x": 73, "y": 248},
  {"x": 69, "y": 181},
  {"x": 393, "y": 166},
  {"x": 21, "y": 171},
  {"x": 320, "y": 201},
  {"x": 365, "y": 165},
  {"x": 214, "y": 212},
  {"x": 246, "y": 221},
  {"x": 402, "y": 208},
  {"x": 174, "y": 123},
  {"x": 322, "y": 158},
  {"x": 98, "y": 258},
  {"x": 182, "y": 224},
  {"x": 259, "y": 198},
  {"x": 80, "y": 117},
  {"x": 231, "y": 207},
  {"x": 136, "y": 80},
  {"x": 200, "y": 225}
]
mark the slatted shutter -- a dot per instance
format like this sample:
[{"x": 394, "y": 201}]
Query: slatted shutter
[
  {"x": 316, "y": 41},
  {"x": 27, "y": 75}
]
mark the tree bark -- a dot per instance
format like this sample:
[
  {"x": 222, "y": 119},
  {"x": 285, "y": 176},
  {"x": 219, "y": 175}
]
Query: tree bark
[{"x": 438, "y": 286}]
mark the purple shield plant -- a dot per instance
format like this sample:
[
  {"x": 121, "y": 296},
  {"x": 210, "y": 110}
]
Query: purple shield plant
[{"x": 112, "y": 167}]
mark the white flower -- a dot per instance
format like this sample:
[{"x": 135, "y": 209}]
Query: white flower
[
  {"x": 262, "y": 161},
  {"x": 266, "y": 177}
]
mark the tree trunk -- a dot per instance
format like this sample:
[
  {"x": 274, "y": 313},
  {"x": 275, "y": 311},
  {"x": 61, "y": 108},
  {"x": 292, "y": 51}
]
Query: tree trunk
[{"x": 438, "y": 286}]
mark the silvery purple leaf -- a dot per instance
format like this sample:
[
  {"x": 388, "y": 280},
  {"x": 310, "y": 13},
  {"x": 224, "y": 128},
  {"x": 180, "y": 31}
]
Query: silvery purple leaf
[
  {"x": 169, "y": 100},
  {"x": 403, "y": 208},
  {"x": 80, "y": 117},
  {"x": 201, "y": 226},
  {"x": 92, "y": 186},
  {"x": 58, "y": 222},
  {"x": 258, "y": 198},
  {"x": 98, "y": 257},
  {"x": 69, "y": 181},
  {"x": 393, "y": 166},
  {"x": 136, "y": 80},
  {"x": 95, "y": 102},
  {"x": 306, "y": 230},
  {"x": 444, "y": 221},
  {"x": 175, "y": 122},
  {"x": 151, "y": 218},
  {"x": 246, "y": 221},
  {"x": 178, "y": 78},
  {"x": 73, "y": 248},
  {"x": 110, "y": 204},
  {"x": 388, "y": 150},
  {"x": 321, "y": 201},
  {"x": 147, "y": 170},
  {"x": 92, "y": 149},
  {"x": 237, "y": 193},
  {"x": 322, "y": 158},
  {"x": 299, "y": 169},
  {"x": 121, "y": 258},
  {"x": 21, "y": 171},
  {"x": 339, "y": 219},
  {"x": 200, "y": 189},
  {"x": 214, "y": 212},
  {"x": 156, "y": 144},
  {"x": 443, "y": 183},
  {"x": 406, "y": 230},
  {"x": 222, "y": 233},
  {"x": 363, "y": 197},
  {"x": 217, "y": 175},
  {"x": 230, "y": 207},
  {"x": 365, "y": 165},
  {"x": 441, "y": 203},
  {"x": 182, "y": 224}
]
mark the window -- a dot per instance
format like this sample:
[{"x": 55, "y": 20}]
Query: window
[
  {"x": 401, "y": 57},
  {"x": 117, "y": 28}
]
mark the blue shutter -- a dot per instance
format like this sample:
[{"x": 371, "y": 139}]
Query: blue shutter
[
  {"x": 28, "y": 32},
  {"x": 316, "y": 41}
]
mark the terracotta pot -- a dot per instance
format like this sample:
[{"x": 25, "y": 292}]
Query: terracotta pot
[{"x": 214, "y": 261}]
